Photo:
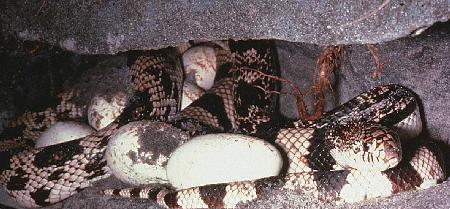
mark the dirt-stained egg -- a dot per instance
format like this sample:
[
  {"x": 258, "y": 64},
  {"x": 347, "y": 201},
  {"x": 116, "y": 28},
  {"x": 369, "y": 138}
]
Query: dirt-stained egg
[
  {"x": 219, "y": 158},
  {"x": 63, "y": 131},
  {"x": 102, "y": 111},
  {"x": 138, "y": 152},
  {"x": 191, "y": 92},
  {"x": 200, "y": 66}
]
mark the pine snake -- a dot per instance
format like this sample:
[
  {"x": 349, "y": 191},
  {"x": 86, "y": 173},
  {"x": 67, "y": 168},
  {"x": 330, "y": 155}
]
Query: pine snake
[{"x": 366, "y": 129}]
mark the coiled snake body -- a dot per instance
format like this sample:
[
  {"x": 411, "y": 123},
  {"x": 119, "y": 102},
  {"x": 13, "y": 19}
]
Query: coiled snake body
[{"x": 343, "y": 156}]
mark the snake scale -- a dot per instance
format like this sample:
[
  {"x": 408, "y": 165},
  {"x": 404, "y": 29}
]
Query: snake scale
[{"x": 343, "y": 156}]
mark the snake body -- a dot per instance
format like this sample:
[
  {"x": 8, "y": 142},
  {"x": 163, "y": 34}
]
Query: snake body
[
  {"x": 40, "y": 177},
  {"x": 241, "y": 101}
]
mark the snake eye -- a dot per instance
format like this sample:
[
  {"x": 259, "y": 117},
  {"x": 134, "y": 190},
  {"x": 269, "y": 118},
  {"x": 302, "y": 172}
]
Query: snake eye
[{"x": 366, "y": 147}]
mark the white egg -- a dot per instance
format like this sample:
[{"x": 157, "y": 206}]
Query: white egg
[
  {"x": 62, "y": 131},
  {"x": 219, "y": 158},
  {"x": 200, "y": 65},
  {"x": 102, "y": 112},
  {"x": 138, "y": 152},
  {"x": 191, "y": 92}
]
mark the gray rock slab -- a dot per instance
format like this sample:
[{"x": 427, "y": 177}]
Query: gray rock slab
[{"x": 108, "y": 27}]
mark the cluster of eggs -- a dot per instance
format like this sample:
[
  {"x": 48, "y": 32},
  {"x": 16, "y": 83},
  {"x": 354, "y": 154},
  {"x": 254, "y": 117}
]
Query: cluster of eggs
[{"x": 144, "y": 152}]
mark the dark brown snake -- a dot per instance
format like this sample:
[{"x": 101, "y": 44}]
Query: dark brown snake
[{"x": 344, "y": 156}]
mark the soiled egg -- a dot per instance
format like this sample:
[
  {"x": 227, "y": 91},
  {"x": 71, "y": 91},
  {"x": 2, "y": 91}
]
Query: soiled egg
[
  {"x": 200, "y": 66},
  {"x": 138, "y": 152},
  {"x": 191, "y": 93}
]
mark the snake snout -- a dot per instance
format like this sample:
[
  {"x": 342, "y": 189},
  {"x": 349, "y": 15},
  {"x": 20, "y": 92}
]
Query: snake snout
[
  {"x": 388, "y": 147},
  {"x": 393, "y": 154},
  {"x": 365, "y": 146},
  {"x": 381, "y": 148}
]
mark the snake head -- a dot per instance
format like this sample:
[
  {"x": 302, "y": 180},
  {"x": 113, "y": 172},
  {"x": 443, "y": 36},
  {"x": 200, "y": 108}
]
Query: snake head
[{"x": 364, "y": 146}]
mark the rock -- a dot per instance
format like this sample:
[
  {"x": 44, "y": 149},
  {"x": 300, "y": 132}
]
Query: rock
[
  {"x": 220, "y": 158},
  {"x": 108, "y": 27},
  {"x": 63, "y": 131},
  {"x": 109, "y": 80},
  {"x": 137, "y": 153}
]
